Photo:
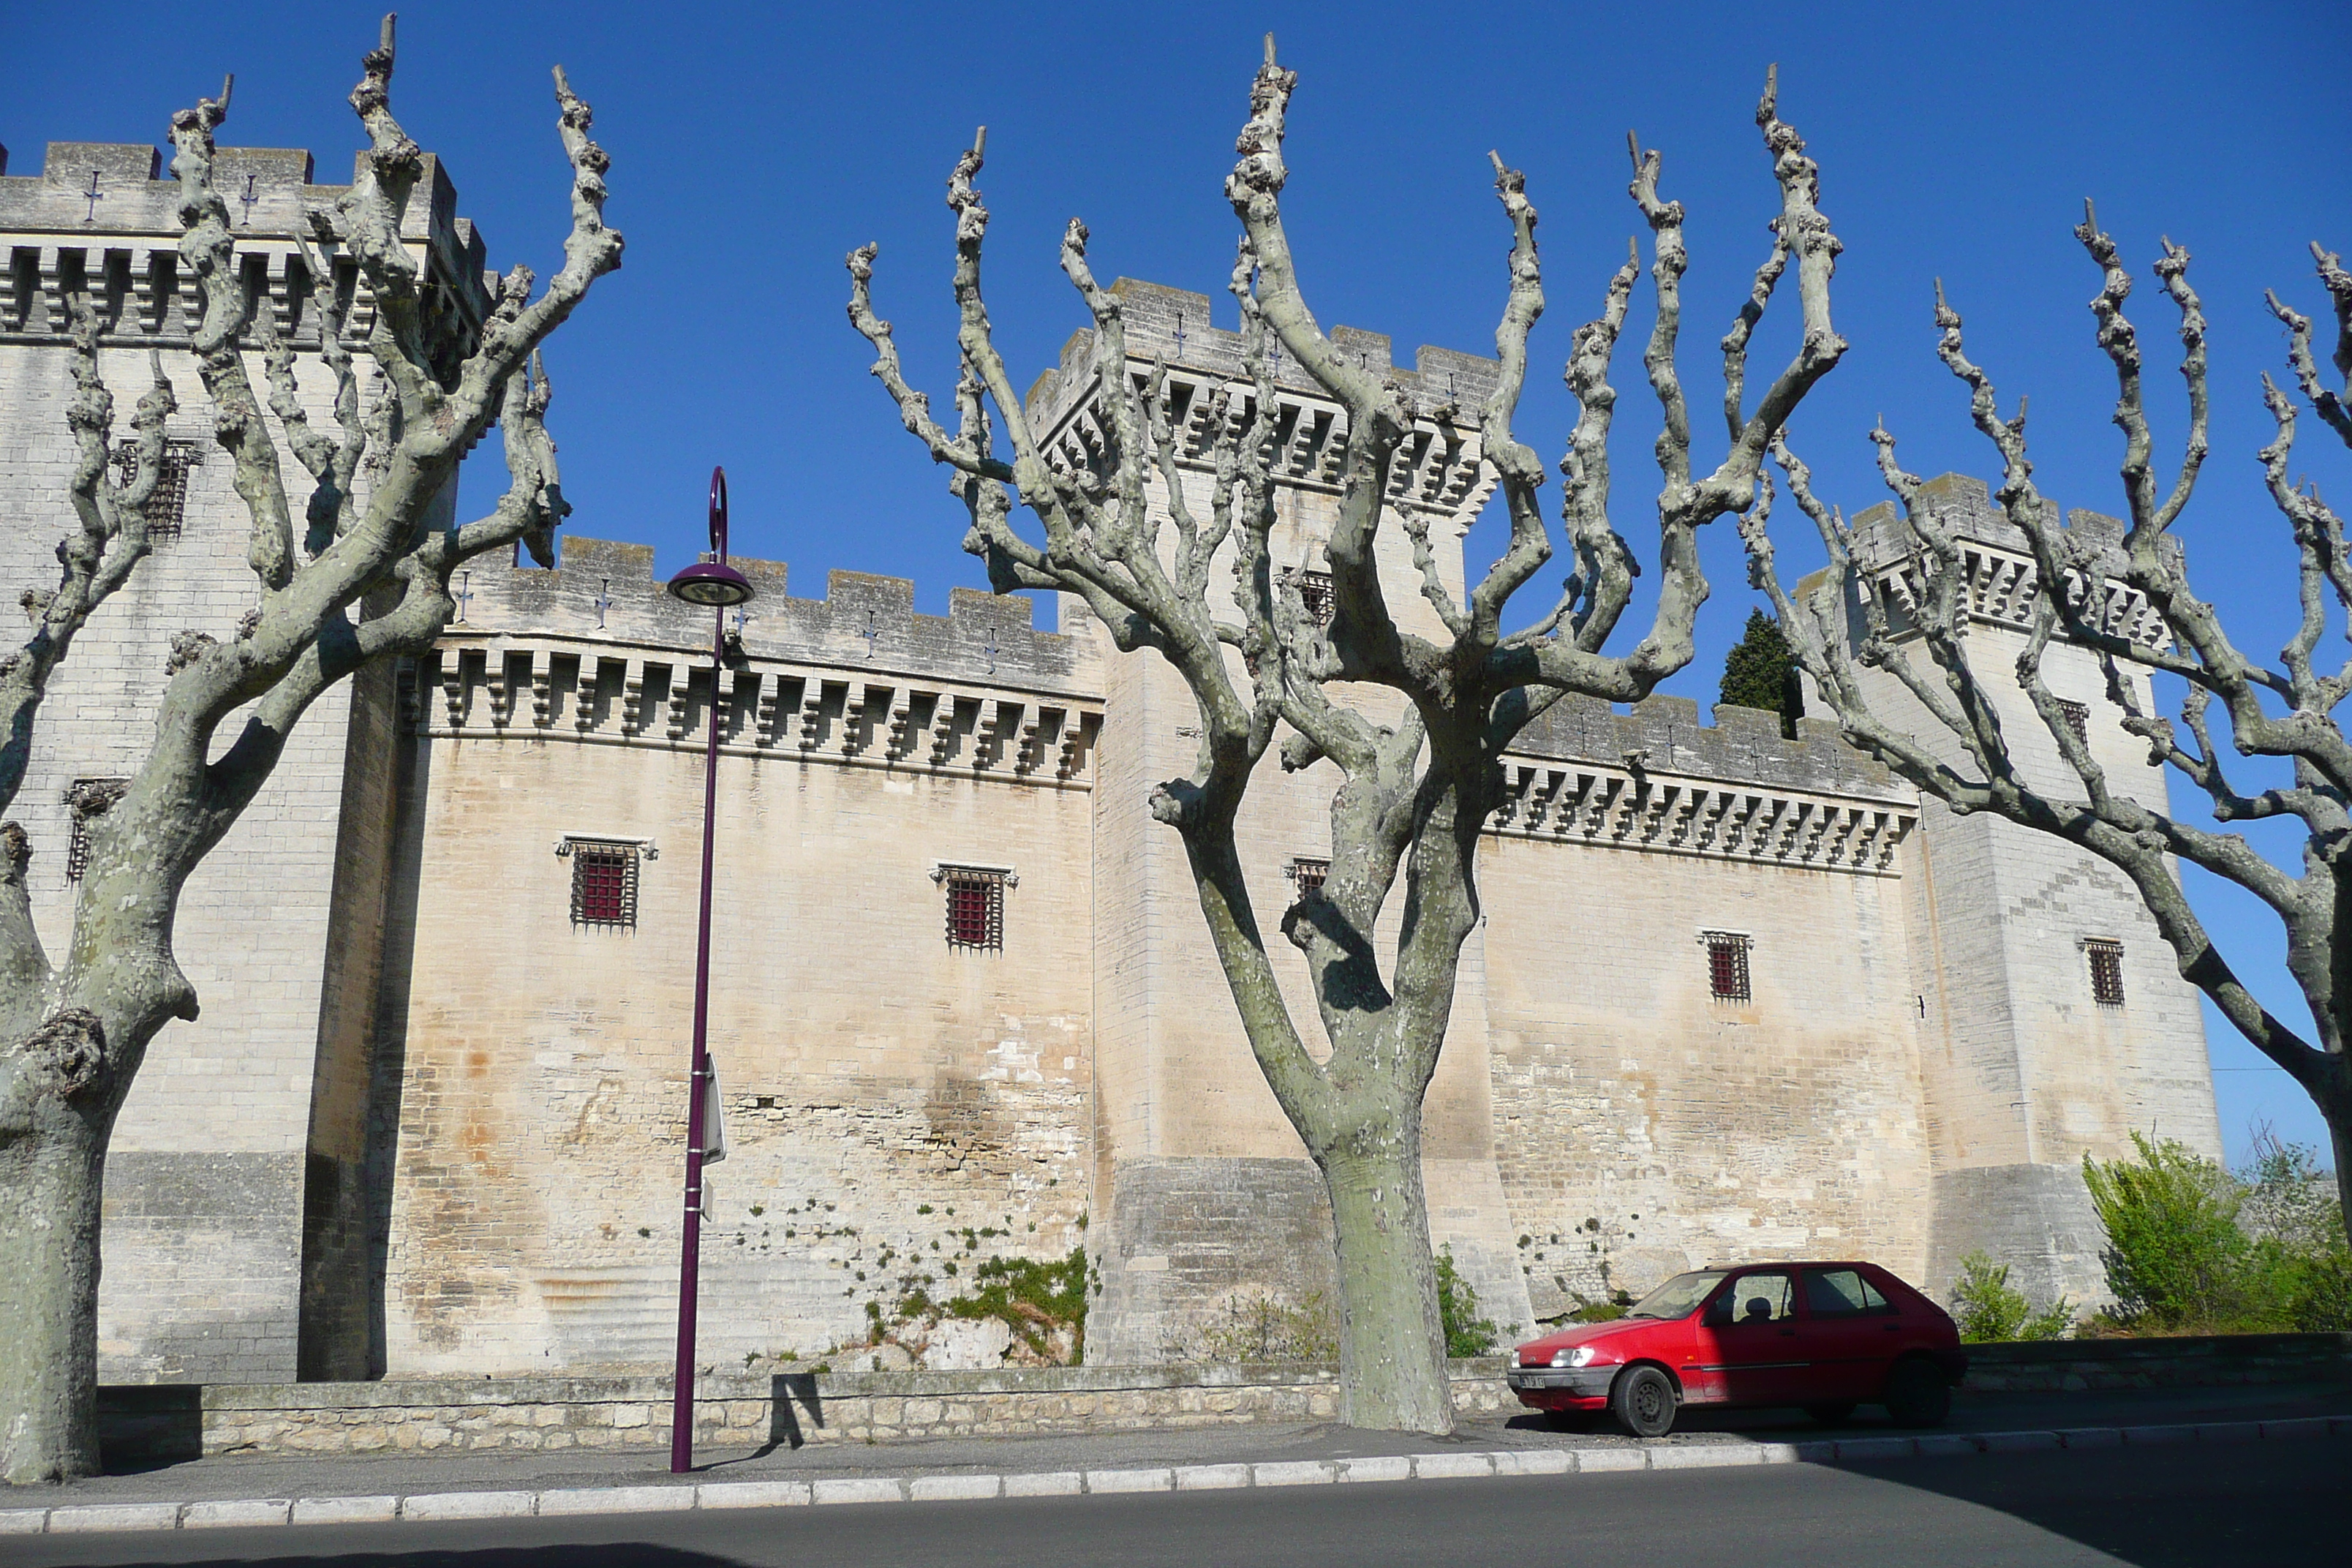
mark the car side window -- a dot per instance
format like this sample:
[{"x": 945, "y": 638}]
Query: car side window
[
  {"x": 1843, "y": 1293},
  {"x": 1755, "y": 1298}
]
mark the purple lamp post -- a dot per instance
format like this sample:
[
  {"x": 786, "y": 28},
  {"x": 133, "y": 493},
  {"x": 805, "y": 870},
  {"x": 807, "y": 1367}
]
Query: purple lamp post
[{"x": 714, "y": 583}]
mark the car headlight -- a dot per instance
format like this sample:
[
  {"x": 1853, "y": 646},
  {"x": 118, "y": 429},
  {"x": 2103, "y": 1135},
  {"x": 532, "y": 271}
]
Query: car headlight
[{"x": 1579, "y": 1355}]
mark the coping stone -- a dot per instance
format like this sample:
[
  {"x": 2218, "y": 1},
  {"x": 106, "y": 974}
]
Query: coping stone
[
  {"x": 617, "y": 1500},
  {"x": 954, "y": 1488},
  {"x": 1293, "y": 1473},
  {"x": 1877, "y": 1447},
  {"x": 1704, "y": 1456},
  {"x": 1535, "y": 1462},
  {"x": 2230, "y": 1432},
  {"x": 2145, "y": 1436},
  {"x": 1393, "y": 1467},
  {"x": 1948, "y": 1447},
  {"x": 346, "y": 1509},
  {"x": 752, "y": 1494},
  {"x": 23, "y": 1521},
  {"x": 1590, "y": 1461},
  {"x": 2306, "y": 1427},
  {"x": 1045, "y": 1483},
  {"x": 235, "y": 1513},
  {"x": 86, "y": 1517},
  {"x": 1211, "y": 1478},
  {"x": 860, "y": 1488},
  {"x": 467, "y": 1505},
  {"x": 2019, "y": 1442},
  {"x": 1432, "y": 1466},
  {"x": 1158, "y": 1480},
  {"x": 2093, "y": 1437}
]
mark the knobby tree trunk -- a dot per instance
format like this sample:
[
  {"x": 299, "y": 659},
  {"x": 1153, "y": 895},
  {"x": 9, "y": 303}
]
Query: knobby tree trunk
[
  {"x": 1267, "y": 676},
  {"x": 57, "y": 1105},
  {"x": 73, "y": 1032}
]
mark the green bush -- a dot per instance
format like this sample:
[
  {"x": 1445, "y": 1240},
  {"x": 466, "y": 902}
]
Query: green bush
[
  {"x": 1466, "y": 1333},
  {"x": 2193, "y": 1249},
  {"x": 1989, "y": 1310},
  {"x": 2175, "y": 1258}
]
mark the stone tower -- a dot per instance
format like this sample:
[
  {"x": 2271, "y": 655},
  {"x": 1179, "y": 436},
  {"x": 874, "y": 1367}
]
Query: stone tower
[
  {"x": 1205, "y": 1196},
  {"x": 2065, "y": 1025},
  {"x": 235, "y": 1243}
]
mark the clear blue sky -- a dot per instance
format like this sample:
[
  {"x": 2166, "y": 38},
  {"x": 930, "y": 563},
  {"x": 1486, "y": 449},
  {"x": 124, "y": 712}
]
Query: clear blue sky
[{"x": 753, "y": 146}]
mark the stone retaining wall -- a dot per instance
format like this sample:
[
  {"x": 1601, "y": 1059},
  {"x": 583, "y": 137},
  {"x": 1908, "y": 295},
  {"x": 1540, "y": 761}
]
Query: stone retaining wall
[
  {"x": 2210, "y": 1360},
  {"x": 161, "y": 1421},
  {"x": 177, "y": 1422}
]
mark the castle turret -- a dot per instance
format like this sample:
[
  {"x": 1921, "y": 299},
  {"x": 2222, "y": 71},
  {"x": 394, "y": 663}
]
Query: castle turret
[{"x": 236, "y": 1237}]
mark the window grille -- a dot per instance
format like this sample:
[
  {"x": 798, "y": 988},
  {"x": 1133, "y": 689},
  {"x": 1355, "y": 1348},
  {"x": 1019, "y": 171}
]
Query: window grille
[
  {"x": 1315, "y": 594},
  {"x": 2078, "y": 718},
  {"x": 603, "y": 881},
  {"x": 167, "y": 505},
  {"x": 1308, "y": 874},
  {"x": 2106, "y": 973},
  {"x": 975, "y": 904},
  {"x": 1726, "y": 965}
]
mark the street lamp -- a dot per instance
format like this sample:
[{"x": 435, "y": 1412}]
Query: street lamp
[{"x": 717, "y": 585}]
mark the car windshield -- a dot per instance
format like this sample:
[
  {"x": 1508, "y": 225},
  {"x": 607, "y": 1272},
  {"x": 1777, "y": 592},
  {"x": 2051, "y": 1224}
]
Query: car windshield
[{"x": 1678, "y": 1297}]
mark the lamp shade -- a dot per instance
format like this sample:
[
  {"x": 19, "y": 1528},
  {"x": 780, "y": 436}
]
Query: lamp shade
[{"x": 713, "y": 584}]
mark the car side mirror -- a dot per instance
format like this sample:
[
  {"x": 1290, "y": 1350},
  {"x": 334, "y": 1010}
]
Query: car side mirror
[{"x": 1718, "y": 1313}]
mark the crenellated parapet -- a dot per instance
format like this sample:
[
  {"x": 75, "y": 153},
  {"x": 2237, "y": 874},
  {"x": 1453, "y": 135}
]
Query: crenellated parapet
[
  {"x": 2001, "y": 573},
  {"x": 103, "y": 218},
  {"x": 1656, "y": 780},
  {"x": 1439, "y": 471},
  {"x": 597, "y": 651}
]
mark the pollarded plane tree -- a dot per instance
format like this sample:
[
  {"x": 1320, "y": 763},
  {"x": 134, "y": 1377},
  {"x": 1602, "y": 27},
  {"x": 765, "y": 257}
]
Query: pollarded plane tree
[
  {"x": 1414, "y": 789},
  {"x": 1951, "y": 740},
  {"x": 74, "y": 1027}
]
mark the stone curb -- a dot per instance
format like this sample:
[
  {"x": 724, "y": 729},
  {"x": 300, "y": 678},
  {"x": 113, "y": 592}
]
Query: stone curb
[{"x": 251, "y": 1513}]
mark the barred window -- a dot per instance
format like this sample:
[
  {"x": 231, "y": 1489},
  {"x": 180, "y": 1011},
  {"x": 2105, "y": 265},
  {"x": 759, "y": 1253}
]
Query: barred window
[
  {"x": 1308, "y": 874},
  {"x": 975, "y": 904},
  {"x": 603, "y": 881},
  {"x": 1315, "y": 594},
  {"x": 2106, "y": 972},
  {"x": 168, "y": 505},
  {"x": 2078, "y": 718},
  {"x": 1726, "y": 965},
  {"x": 86, "y": 801}
]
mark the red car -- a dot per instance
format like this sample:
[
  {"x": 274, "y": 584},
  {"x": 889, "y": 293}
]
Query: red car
[{"x": 1825, "y": 1336}]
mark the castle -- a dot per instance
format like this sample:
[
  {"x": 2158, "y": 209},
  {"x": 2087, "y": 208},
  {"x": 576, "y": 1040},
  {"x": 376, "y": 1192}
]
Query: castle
[{"x": 1736, "y": 995}]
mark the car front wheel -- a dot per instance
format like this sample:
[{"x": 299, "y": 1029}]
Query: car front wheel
[
  {"x": 1643, "y": 1400},
  {"x": 1917, "y": 1394}
]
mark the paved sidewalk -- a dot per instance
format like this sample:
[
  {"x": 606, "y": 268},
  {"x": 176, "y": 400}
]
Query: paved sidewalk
[{"x": 253, "y": 1491}]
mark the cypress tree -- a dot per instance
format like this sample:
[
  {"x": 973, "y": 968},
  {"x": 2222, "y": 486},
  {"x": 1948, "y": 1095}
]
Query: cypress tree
[{"x": 1758, "y": 673}]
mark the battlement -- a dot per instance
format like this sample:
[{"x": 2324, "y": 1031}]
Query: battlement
[
  {"x": 1744, "y": 746},
  {"x": 104, "y": 218},
  {"x": 1654, "y": 780},
  {"x": 1439, "y": 468},
  {"x": 2001, "y": 573},
  {"x": 606, "y": 591}
]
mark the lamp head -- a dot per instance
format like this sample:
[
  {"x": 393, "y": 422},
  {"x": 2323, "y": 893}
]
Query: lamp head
[{"x": 713, "y": 584}]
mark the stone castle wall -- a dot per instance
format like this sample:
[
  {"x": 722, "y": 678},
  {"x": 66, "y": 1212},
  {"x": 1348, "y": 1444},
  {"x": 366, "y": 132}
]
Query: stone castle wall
[
  {"x": 897, "y": 1108},
  {"x": 221, "y": 1194}
]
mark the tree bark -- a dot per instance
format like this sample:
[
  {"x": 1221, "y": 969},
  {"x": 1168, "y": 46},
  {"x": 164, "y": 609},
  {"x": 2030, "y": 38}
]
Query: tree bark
[
  {"x": 55, "y": 1118},
  {"x": 1391, "y": 1345}
]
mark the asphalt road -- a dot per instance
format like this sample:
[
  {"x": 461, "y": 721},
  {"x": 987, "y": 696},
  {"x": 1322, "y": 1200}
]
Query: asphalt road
[{"x": 2191, "y": 1506}]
